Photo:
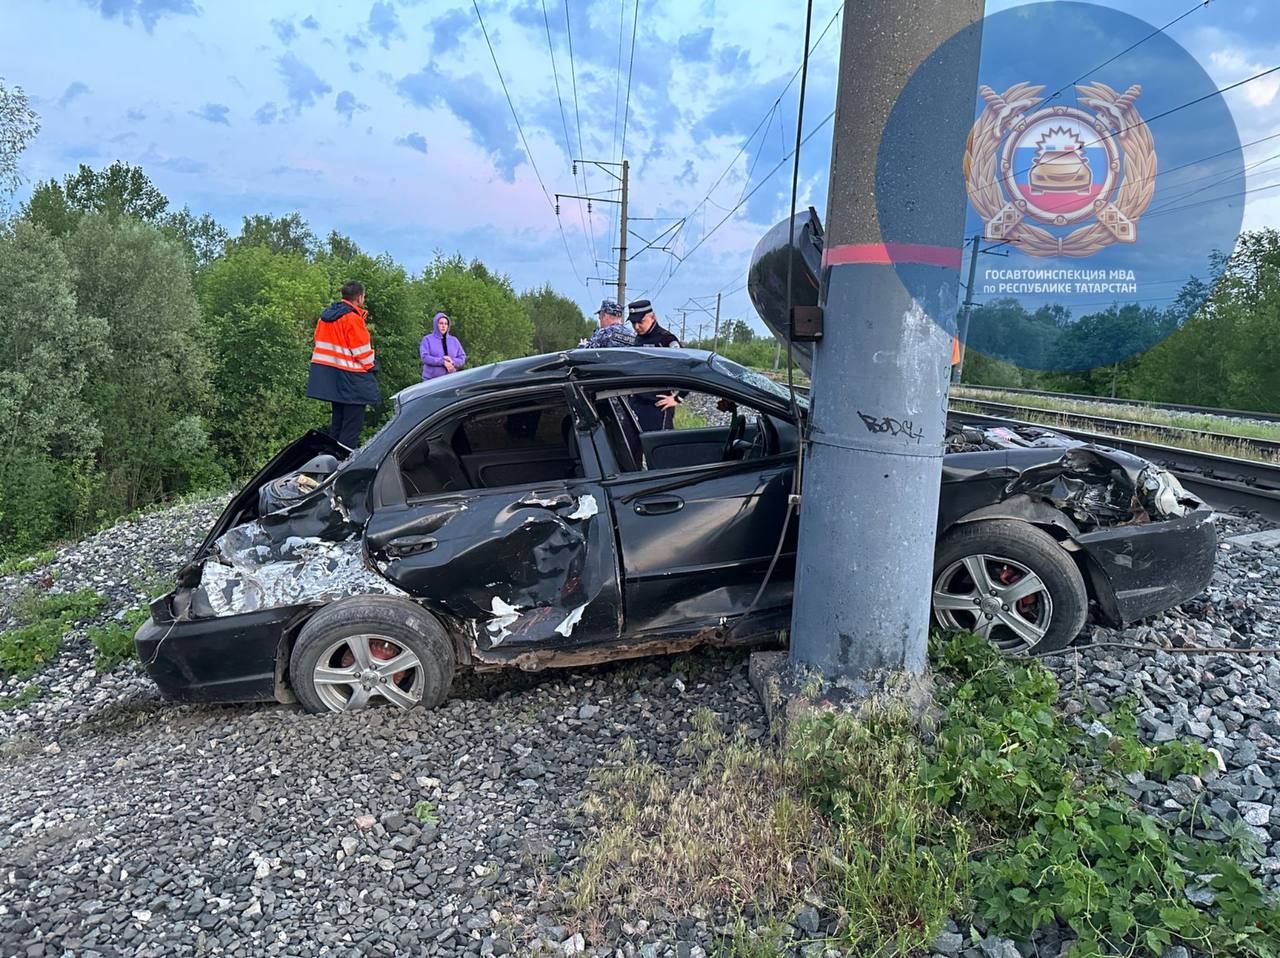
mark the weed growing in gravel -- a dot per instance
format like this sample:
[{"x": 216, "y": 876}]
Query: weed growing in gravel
[
  {"x": 426, "y": 813},
  {"x": 1010, "y": 814},
  {"x": 17, "y": 566},
  {"x": 28, "y": 695},
  {"x": 45, "y": 620},
  {"x": 113, "y": 642}
]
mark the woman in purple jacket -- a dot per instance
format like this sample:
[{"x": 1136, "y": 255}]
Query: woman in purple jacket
[{"x": 441, "y": 352}]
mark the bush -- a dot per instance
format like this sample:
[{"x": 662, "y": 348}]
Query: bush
[{"x": 113, "y": 642}]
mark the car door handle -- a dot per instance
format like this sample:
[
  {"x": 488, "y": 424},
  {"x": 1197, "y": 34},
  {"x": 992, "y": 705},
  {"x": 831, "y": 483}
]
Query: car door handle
[
  {"x": 411, "y": 545},
  {"x": 659, "y": 505}
]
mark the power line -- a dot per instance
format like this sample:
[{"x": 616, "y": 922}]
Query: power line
[
  {"x": 626, "y": 111},
  {"x": 706, "y": 236},
  {"x": 564, "y": 123},
  {"x": 577, "y": 116},
  {"x": 1217, "y": 180},
  {"x": 1212, "y": 199},
  {"x": 1054, "y": 95},
  {"x": 528, "y": 153}
]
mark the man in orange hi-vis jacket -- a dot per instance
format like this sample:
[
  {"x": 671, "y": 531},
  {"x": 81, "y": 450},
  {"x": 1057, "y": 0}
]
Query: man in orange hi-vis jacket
[{"x": 343, "y": 365}]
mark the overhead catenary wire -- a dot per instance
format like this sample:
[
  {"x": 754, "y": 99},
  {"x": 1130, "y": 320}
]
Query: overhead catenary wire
[
  {"x": 798, "y": 475},
  {"x": 564, "y": 123},
  {"x": 527, "y": 152},
  {"x": 707, "y": 199},
  {"x": 1200, "y": 5},
  {"x": 577, "y": 118}
]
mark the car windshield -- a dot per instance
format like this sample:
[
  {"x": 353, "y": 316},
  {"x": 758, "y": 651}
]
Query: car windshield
[{"x": 758, "y": 380}]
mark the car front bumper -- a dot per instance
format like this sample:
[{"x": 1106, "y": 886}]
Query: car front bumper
[
  {"x": 230, "y": 658},
  {"x": 1140, "y": 569}
]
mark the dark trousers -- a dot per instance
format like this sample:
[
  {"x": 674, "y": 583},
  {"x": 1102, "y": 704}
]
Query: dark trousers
[
  {"x": 345, "y": 423},
  {"x": 649, "y": 416}
]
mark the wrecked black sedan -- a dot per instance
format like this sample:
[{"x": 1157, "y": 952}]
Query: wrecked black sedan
[{"x": 516, "y": 515}]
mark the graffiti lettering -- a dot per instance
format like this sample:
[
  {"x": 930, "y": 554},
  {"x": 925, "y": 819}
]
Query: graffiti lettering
[{"x": 894, "y": 427}]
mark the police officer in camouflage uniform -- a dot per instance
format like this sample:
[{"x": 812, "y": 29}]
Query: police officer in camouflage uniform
[{"x": 613, "y": 331}]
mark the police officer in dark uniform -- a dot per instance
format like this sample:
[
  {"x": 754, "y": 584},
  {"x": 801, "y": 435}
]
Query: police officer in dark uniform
[{"x": 654, "y": 411}]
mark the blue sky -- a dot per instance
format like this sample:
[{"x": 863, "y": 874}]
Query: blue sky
[{"x": 385, "y": 120}]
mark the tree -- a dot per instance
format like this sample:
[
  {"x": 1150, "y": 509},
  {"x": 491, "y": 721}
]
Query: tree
[
  {"x": 18, "y": 125},
  {"x": 558, "y": 323},
  {"x": 259, "y": 309},
  {"x": 737, "y": 332},
  {"x": 120, "y": 190},
  {"x": 47, "y": 430},
  {"x": 202, "y": 236},
  {"x": 487, "y": 316},
  {"x": 149, "y": 383},
  {"x": 280, "y": 234}
]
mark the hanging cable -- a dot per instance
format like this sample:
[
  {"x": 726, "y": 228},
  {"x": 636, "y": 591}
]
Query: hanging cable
[
  {"x": 577, "y": 119},
  {"x": 564, "y": 123},
  {"x": 801, "y": 423},
  {"x": 527, "y": 152}
]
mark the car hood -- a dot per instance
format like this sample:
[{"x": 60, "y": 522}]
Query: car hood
[{"x": 244, "y": 506}]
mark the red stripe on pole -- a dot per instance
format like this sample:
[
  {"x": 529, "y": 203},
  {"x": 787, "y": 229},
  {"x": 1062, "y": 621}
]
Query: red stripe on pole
[{"x": 892, "y": 254}]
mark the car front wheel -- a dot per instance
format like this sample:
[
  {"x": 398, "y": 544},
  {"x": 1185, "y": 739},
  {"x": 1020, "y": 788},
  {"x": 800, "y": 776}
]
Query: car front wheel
[
  {"x": 1011, "y": 583},
  {"x": 369, "y": 650}
]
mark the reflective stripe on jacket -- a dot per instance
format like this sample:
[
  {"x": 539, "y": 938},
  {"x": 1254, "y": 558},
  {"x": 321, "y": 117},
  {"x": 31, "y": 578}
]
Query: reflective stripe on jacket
[{"x": 342, "y": 358}]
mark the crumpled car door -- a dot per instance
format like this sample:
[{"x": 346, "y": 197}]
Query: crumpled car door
[{"x": 518, "y": 569}]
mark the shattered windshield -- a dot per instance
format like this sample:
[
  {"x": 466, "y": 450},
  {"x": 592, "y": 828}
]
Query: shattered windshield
[{"x": 758, "y": 380}]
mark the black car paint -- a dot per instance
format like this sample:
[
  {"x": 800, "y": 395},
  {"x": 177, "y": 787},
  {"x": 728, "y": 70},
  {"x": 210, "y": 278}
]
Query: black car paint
[{"x": 665, "y": 580}]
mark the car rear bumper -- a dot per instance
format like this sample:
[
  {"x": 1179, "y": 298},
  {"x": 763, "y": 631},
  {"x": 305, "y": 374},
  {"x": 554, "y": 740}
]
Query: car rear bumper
[
  {"x": 230, "y": 658},
  {"x": 1139, "y": 570}
]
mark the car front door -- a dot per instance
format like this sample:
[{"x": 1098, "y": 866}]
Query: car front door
[
  {"x": 695, "y": 541},
  {"x": 523, "y": 567}
]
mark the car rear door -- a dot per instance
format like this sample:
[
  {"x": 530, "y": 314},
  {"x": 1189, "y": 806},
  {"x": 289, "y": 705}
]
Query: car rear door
[{"x": 524, "y": 566}]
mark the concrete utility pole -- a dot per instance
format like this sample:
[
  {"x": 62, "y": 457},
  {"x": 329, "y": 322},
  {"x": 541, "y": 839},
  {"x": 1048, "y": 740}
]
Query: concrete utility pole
[
  {"x": 684, "y": 316},
  {"x": 716, "y": 347},
  {"x": 963, "y": 332},
  {"x": 624, "y": 179},
  {"x": 864, "y": 565},
  {"x": 622, "y": 237}
]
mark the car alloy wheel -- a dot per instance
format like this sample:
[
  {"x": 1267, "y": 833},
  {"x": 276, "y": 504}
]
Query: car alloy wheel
[
  {"x": 353, "y": 672},
  {"x": 996, "y": 597}
]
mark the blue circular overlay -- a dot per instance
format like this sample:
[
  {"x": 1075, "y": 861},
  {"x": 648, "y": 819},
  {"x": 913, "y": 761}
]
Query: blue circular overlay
[{"x": 1102, "y": 173}]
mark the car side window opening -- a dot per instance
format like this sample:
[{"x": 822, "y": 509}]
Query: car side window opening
[
  {"x": 528, "y": 440},
  {"x": 708, "y": 429}
]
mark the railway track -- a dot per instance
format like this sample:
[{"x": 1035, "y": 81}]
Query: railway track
[
  {"x": 1264, "y": 450},
  {"x": 1142, "y": 403},
  {"x": 1223, "y": 481}
]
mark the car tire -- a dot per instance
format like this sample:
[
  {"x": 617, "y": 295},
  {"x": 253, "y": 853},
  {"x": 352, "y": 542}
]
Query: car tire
[
  {"x": 1019, "y": 615},
  {"x": 371, "y": 649}
]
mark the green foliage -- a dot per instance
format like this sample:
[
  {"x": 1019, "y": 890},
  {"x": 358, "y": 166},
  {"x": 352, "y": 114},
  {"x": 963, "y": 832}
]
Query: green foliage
[
  {"x": 202, "y": 236},
  {"x": 18, "y": 125},
  {"x": 113, "y": 642},
  {"x": 1068, "y": 845},
  {"x": 984, "y": 370},
  {"x": 280, "y": 234},
  {"x": 119, "y": 191},
  {"x": 558, "y": 323},
  {"x": 19, "y": 566},
  {"x": 426, "y": 813},
  {"x": 151, "y": 379},
  {"x": 259, "y": 309},
  {"x": 45, "y": 620},
  {"x": 48, "y": 430}
]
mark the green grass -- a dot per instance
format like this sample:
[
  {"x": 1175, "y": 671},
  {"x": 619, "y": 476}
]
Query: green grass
[
  {"x": 1010, "y": 814},
  {"x": 28, "y": 695},
  {"x": 45, "y": 620},
  {"x": 689, "y": 420}
]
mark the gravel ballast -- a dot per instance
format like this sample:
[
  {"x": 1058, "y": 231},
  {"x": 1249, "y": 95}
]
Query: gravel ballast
[{"x": 129, "y": 826}]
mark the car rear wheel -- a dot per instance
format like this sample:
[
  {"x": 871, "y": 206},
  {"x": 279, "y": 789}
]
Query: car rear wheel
[
  {"x": 370, "y": 650},
  {"x": 1011, "y": 583}
]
